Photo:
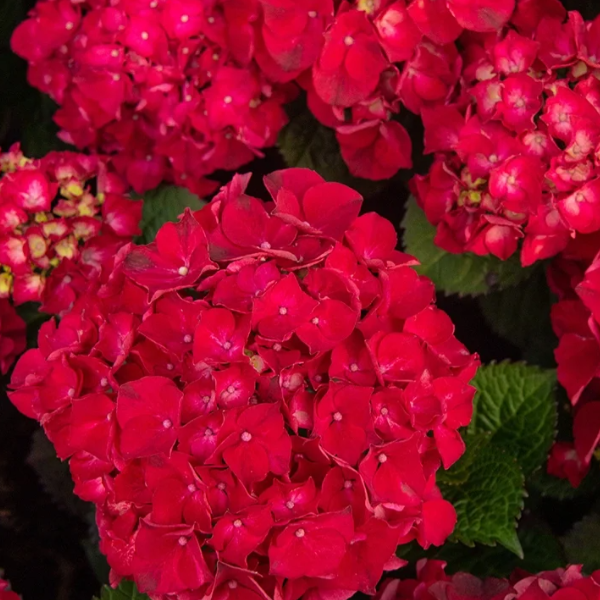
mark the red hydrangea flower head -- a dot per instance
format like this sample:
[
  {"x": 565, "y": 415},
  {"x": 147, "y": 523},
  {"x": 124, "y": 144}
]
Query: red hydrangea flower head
[
  {"x": 62, "y": 218},
  {"x": 432, "y": 581},
  {"x": 516, "y": 156},
  {"x": 172, "y": 89},
  {"x": 258, "y": 399}
]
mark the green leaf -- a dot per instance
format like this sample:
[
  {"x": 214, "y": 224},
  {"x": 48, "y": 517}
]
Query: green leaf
[
  {"x": 545, "y": 485},
  {"x": 463, "y": 274},
  {"x": 489, "y": 501},
  {"x": 541, "y": 550},
  {"x": 163, "y": 204},
  {"x": 304, "y": 142},
  {"x": 54, "y": 475},
  {"x": 581, "y": 543},
  {"x": 125, "y": 591},
  {"x": 460, "y": 471},
  {"x": 515, "y": 403},
  {"x": 521, "y": 315}
]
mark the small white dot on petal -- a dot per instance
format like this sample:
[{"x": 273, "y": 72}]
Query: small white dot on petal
[
  {"x": 300, "y": 533},
  {"x": 144, "y": 35},
  {"x": 246, "y": 436},
  {"x": 167, "y": 424},
  {"x": 182, "y": 540},
  {"x": 184, "y": 18},
  {"x": 183, "y": 271},
  {"x": 237, "y": 523},
  {"x": 382, "y": 458}
]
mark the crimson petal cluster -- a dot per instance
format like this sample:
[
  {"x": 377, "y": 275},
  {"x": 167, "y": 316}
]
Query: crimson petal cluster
[
  {"x": 432, "y": 582},
  {"x": 379, "y": 56},
  {"x": 171, "y": 88},
  {"x": 62, "y": 218},
  {"x": 574, "y": 277},
  {"x": 259, "y": 399},
  {"x": 182, "y": 88},
  {"x": 516, "y": 156}
]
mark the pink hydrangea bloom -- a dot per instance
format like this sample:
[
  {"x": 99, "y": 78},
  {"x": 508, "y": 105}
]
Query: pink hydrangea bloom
[
  {"x": 62, "y": 218},
  {"x": 515, "y": 156}
]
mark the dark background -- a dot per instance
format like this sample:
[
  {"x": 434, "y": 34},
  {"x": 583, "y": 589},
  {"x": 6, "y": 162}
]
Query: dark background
[{"x": 45, "y": 545}]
